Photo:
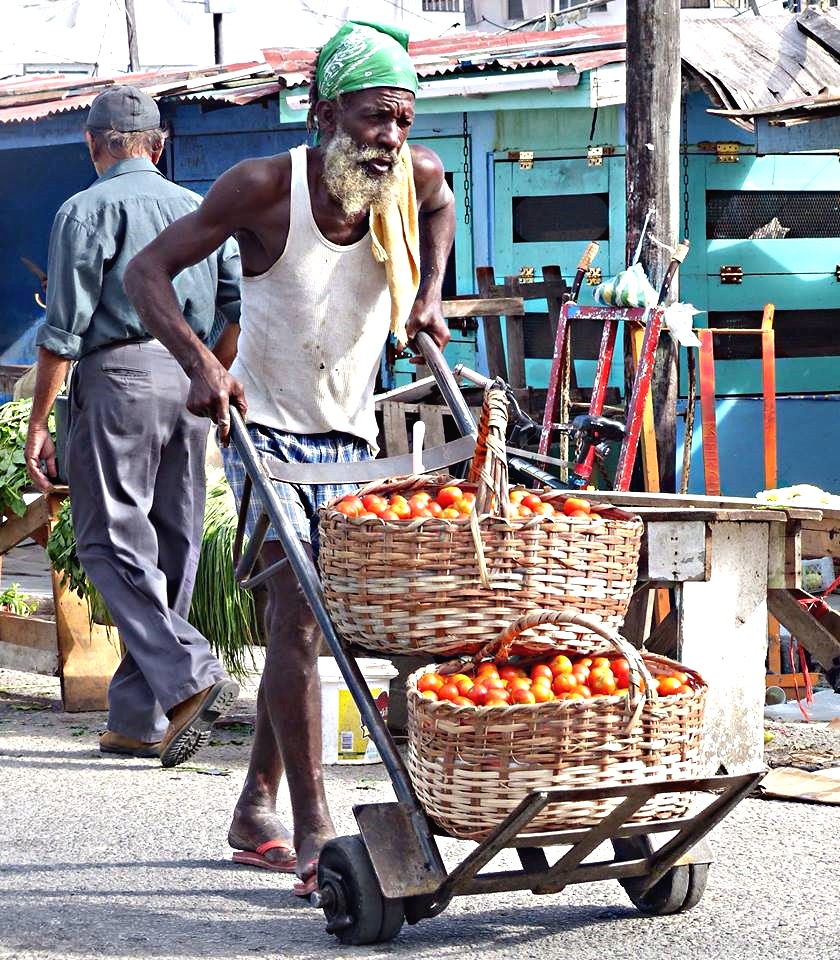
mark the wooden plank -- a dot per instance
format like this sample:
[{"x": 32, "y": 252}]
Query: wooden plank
[
  {"x": 16, "y": 529},
  {"x": 28, "y": 644},
  {"x": 394, "y": 428},
  {"x": 432, "y": 417},
  {"x": 784, "y": 560},
  {"x": 822, "y": 644},
  {"x": 628, "y": 498},
  {"x": 496, "y": 363},
  {"x": 820, "y": 538},
  {"x": 88, "y": 653},
  {"x": 515, "y": 335},
  {"x": 486, "y": 307}
]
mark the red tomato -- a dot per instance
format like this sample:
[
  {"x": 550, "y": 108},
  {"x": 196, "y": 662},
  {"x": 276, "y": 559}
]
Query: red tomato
[
  {"x": 523, "y": 696},
  {"x": 508, "y": 672},
  {"x": 464, "y": 685},
  {"x": 531, "y": 501},
  {"x": 668, "y": 686},
  {"x": 572, "y": 504},
  {"x": 450, "y": 513},
  {"x": 560, "y": 664},
  {"x": 430, "y": 681},
  {"x": 374, "y": 503},
  {"x": 448, "y": 495},
  {"x": 603, "y": 684},
  {"x": 519, "y": 683},
  {"x": 478, "y": 693},
  {"x": 583, "y": 690},
  {"x": 542, "y": 693},
  {"x": 448, "y": 692},
  {"x": 541, "y": 670},
  {"x": 429, "y": 695},
  {"x": 564, "y": 683},
  {"x": 435, "y": 509},
  {"x": 463, "y": 702},
  {"x": 517, "y": 496},
  {"x": 401, "y": 507},
  {"x": 351, "y": 506},
  {"x": 389, "y": 515},
  {"x": 544, "y": 510}
]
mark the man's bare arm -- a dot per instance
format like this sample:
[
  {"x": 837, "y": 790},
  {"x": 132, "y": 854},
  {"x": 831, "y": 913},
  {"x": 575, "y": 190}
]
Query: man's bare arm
[
  {"x": 436, "y": 209},
  {"x": 52, "y": 369}
]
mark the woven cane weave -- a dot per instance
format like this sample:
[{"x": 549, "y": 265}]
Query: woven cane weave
[
  {"x": 447, "y": 586},
  {"x": 471, "y": 766}
]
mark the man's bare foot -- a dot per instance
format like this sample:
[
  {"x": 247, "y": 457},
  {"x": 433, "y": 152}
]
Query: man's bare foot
[
  {"x": 309, "y": 848},
  {"x": 253, "y": 826}
]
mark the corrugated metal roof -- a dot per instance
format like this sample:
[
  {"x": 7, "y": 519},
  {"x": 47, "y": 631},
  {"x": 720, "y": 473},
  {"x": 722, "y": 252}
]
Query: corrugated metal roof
[
  {"x": 35, "y": 97},
  {"x": 761, "y": 66},
  {"x": 748, "y": 66}
]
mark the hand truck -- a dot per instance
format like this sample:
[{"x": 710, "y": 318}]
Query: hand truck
[{"x": 392, "y": 871}]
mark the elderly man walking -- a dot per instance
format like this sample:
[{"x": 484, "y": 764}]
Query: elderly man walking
[
  {"x": 341, "y": 243},
  {"x": 135, "y": 456}
]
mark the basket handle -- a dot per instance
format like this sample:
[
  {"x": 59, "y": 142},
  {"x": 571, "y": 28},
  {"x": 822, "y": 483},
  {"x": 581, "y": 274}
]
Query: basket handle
[
  {"x": 498, "y": 649},
  {"x": 489, "y": 463}
]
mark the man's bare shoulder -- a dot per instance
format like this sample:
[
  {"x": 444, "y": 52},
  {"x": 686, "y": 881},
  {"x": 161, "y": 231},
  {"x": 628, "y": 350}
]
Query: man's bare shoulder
[
  {"x": 427, "y": 164},
  {"x": 261, "y": 178}
]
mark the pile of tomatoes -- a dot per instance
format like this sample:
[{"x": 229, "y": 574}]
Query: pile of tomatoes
[
  {"x": 453, "y": 503},
  {"x": 559, "y": 678}
]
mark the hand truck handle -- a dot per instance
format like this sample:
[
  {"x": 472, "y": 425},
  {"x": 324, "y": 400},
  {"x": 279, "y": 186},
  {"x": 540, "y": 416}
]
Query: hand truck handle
[{"x": 446, "y": 383}]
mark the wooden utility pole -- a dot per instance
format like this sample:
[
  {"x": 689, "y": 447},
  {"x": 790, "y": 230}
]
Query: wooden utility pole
[
  {"x": 131, "y": 27},
  {"x": 653, "y": 144}
]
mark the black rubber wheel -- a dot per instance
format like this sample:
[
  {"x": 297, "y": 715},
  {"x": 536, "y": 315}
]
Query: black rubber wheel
[
  {"x": 355, "y": 909},
  {"x": 680, "y": 889}
]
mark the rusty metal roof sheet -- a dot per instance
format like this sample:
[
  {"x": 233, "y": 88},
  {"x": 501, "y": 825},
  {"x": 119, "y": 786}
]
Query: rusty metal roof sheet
[
  {"x": 35, "y": 97},
  {"x": 763, "y": 66}
]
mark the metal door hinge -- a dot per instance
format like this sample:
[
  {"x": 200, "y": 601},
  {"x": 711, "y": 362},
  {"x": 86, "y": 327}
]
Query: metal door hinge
[
  {"x": 593, "y": 276},
  {"x": 527, "y": 274},
  {"x": 837, "y": 273},
  {"x": 727, "y": 152},
  {"x": 525, "y": 158},
  {"x": 731, "y": 273},
  {"x": 595, "y": 156}
]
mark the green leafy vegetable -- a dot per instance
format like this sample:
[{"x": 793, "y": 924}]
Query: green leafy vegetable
[
  {"x": 15, "y": 601},
  {"x": 14, "y": 422}
]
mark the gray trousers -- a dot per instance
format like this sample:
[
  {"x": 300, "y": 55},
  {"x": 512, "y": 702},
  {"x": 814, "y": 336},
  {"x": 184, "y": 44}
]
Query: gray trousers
[{"x": 135, "y": 467}]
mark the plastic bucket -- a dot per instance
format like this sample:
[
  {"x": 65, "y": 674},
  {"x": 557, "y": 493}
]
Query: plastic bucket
[{"x": 345, "y": 736}]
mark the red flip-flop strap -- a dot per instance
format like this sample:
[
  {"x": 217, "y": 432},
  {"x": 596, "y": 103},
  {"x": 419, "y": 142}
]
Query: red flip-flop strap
[{"x": 263, "y": 848}]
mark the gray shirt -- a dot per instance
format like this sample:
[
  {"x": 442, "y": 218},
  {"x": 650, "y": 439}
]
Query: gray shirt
[{"x": 96, "y": 233}]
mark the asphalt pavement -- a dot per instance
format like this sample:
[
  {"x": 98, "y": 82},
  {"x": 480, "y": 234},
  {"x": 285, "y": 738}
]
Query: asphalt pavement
[{"x": 119, "y": 858}]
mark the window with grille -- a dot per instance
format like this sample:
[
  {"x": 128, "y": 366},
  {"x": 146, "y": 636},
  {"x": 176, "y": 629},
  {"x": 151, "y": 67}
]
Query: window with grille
[
  {"x": 799, "y": 333},
  {"x": 561, "y": 218},
  {"x": 772, "y": 214},
  {"x": 442, "y": 6}
]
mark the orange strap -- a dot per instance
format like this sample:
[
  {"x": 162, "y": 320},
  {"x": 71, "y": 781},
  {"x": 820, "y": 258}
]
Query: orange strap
[
  {"x": 708, "y": 418},
  {"x": 768, "y": 386}
]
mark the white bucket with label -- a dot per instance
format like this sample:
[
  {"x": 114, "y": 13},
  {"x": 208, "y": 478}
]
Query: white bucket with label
[{"x": 346, "y": 738}]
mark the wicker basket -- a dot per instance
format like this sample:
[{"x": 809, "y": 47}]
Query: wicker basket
[
  {"x": 442, "y": 587},
  {"x": 471, "y": 766}
]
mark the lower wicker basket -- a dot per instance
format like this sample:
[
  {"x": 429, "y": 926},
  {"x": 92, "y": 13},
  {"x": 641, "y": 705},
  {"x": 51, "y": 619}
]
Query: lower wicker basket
[{"x": 471, "y": 766}]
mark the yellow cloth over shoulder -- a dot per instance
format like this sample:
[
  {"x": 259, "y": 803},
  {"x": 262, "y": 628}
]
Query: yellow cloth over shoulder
[{"x": 395, "y": 240}]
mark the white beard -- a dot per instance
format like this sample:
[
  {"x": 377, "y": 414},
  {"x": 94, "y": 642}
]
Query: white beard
[{"x": 348, "y": 181}]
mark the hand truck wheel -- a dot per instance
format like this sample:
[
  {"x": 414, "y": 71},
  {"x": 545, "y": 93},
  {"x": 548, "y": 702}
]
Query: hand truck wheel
[
  {"x": 679, "y": 890},
  {"x": 355, "y": 909}
]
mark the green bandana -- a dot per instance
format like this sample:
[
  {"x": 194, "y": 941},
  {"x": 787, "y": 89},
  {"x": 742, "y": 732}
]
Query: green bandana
[{"x": 363, "y": 55}]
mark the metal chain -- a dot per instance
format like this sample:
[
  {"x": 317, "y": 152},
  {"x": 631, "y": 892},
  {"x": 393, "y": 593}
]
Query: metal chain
[
  {"x": 684, "y": 108},
  {"x": 467, "y": 203}
]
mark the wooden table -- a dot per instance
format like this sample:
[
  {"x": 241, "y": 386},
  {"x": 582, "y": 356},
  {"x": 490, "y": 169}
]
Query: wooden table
[
  {"x": 729, "y": 562},
  {"x": 82, "y": 654}
]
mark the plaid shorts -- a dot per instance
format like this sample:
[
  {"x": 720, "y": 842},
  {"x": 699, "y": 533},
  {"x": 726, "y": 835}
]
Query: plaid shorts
[{"x": 300, "y": 502}]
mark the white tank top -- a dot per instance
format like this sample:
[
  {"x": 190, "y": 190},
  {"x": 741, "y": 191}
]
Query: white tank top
[{"x": 313, "y": 327}]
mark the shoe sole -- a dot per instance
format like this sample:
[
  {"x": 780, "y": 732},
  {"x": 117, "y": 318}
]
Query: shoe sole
[
  {"x": 195, "y": 734},
  {"x": 151, "y": 754}
]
